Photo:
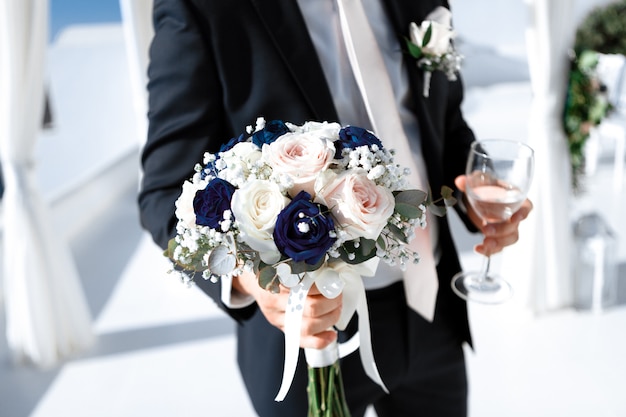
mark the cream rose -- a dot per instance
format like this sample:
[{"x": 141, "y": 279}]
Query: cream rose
[
  {"x": 239, "y": 160},
  {"x": 300, "y": 156},
  {"x": 255, "y": 207},
  {"x": 360, "y": 207},
  {"x": 184, "y": 203},
  {"x": 323, "y": 129},
  {"x": 441, "y": 35}
]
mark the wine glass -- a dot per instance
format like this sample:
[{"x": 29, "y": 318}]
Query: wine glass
[{"x": 499, "y": 173}]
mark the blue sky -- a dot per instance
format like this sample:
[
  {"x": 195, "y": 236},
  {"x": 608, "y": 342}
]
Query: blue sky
[{"x": 69, "y": 12}]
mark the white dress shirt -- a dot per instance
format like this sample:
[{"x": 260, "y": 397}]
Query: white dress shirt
[{"x": 322, "y": 21}]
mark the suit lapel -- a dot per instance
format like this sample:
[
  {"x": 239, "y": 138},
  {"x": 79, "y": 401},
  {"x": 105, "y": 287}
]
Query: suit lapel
[{"x": 284, "y": 21}]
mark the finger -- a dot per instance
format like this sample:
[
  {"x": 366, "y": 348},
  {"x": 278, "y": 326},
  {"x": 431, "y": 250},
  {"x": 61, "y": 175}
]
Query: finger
[
  {"x": 320, "y": 313},
  {"x": 500, "y": 230},
  {"x": 318, "y": 341},
  {"x": 488, "y": 247},
  {"x": 318, "y": 305},
  {"x": 497, "y": 244},
  {"x": 314, "y": 324},
  {"x": 498, "y": 236},
  {"x": 523, "y": 212},
  {"x": 460, "y": 182},
  {"x": 273, "y": 307},
  {"x": 314, "y": 290}
]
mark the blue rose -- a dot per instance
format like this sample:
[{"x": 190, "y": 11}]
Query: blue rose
[
  {"x": 302, "y": 230},
  {"x": 272, "y": 131},
  {"x": 211, "y": 203},
  {"x": 231, "y": 143},
  {"x": 351, "y": 137}
]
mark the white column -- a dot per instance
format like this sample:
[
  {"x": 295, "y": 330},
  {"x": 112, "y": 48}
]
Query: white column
[
  {"x": 138, "y": 33},
  {"x": 46, "y": 313},
  {"x": 541, "y": 258}
]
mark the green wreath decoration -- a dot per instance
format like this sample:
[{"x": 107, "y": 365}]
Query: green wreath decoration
[{"x": 603, "y": 31}]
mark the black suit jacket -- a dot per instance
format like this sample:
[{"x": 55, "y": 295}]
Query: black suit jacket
[{"x": 218, "y": 64}]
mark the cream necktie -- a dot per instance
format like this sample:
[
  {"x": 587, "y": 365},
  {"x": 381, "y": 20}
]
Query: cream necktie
[{"x": 420, "y": 280}]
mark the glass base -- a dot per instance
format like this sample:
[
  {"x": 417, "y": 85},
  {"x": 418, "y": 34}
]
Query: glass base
[{"x": 474, "y": 286}]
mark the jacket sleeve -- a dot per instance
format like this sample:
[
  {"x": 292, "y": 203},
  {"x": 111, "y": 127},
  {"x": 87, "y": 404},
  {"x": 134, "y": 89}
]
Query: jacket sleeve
[
  {"x": 184, "y": 121},
  {"x": 458, "y": 139}
]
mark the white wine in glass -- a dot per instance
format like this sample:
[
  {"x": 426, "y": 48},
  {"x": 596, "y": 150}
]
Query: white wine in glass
[{"x": 499, "y": 173}]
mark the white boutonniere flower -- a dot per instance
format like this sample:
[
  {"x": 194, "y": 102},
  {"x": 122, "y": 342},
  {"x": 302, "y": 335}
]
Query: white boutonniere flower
[{"x": 431, "y": 45}]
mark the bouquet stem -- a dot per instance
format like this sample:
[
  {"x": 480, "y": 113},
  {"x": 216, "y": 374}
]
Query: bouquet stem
[{"x": 325, "y": 390}]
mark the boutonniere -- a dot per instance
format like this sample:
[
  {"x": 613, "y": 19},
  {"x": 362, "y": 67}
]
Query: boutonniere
[{"x": 431, "y": 45}]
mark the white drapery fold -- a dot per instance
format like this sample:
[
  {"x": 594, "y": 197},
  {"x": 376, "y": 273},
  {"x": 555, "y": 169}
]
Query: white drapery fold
[
  {"x": 138, "y": 33},
  {"x": 46, "y": 314},
  {"x": 542, "y": 256}
]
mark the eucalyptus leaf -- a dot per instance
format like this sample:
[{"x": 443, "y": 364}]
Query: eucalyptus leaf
[
  {"x": 367, "y": 246},
  {"x": 273, "y": 287},
  {"x": 397, "y": 233},
  {"x": 361, "y": 254},
  {"x": 222, "y": 261},
  {"x": 450, "y": 201},
  {"x": 438, "y": 211},
  {"x": 302, "y": 267},
  {"x": 447, "y": 192},
  {"x": 408, "y": 211},
  {"x": 381, "y": 242},
  {"x": 411, "y": 197},
  {"x": 171, "y": 246},
  {"x": 267, "y": 276}
]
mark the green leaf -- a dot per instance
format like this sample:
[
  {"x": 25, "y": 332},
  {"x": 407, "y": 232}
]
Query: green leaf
[
  {"x": 411, "y": 197},
  {"x": 171, "y": 246},
  {"x": 274, "y": 286},
  {"x": 302, "y": 267},
  {"x": 427, "y": 35},
  {"x": 408, "y": 203},
  {"x": 408, "y": 211},
  {"x": 414, "y": 50},
  {"x": 222, "y": 261},
  {"x": 365, "y": 250},
  {"x": 381, "y": 242},
  {"x": 446, "y": 192},
  {"x": 448, "y": 196},
  {"x": 397, "y": 233},
  {"x": 438, "y": 211},
  {"x": 267, "y": 276},
  {"x": 367, "y": 246}
]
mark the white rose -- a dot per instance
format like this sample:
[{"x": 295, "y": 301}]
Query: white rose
[
  {"x": 300, "y": 156},
  {"x": 239, "y": 161},
  {"x": 255, "y": 207},
  {"x": 441, "y": 35},
  {"x": 323, "y": 129},
  {"x": 184, "y": 203},
  {"x": 360, "y": 207}
]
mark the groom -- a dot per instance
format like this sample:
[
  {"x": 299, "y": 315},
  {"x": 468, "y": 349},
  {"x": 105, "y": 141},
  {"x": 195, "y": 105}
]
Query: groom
[{"x": 215, "y": 66}]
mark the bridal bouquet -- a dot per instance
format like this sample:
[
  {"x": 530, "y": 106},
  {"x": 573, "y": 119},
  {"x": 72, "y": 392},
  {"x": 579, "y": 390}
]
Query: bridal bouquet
[{"x": 299, "y": 205}]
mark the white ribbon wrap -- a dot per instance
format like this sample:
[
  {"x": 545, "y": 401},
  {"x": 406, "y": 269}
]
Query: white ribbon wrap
[{"x": 331, "y": 280}]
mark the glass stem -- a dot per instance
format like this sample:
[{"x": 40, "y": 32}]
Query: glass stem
[{"x": 484, "y": 272}]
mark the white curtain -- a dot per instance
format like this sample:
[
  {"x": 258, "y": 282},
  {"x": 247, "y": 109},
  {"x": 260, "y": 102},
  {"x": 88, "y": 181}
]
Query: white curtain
[
  {"x": 138, "y": 33},
  {"x": 46, "y": 313},
  {"x": 542, "y": 256}
]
